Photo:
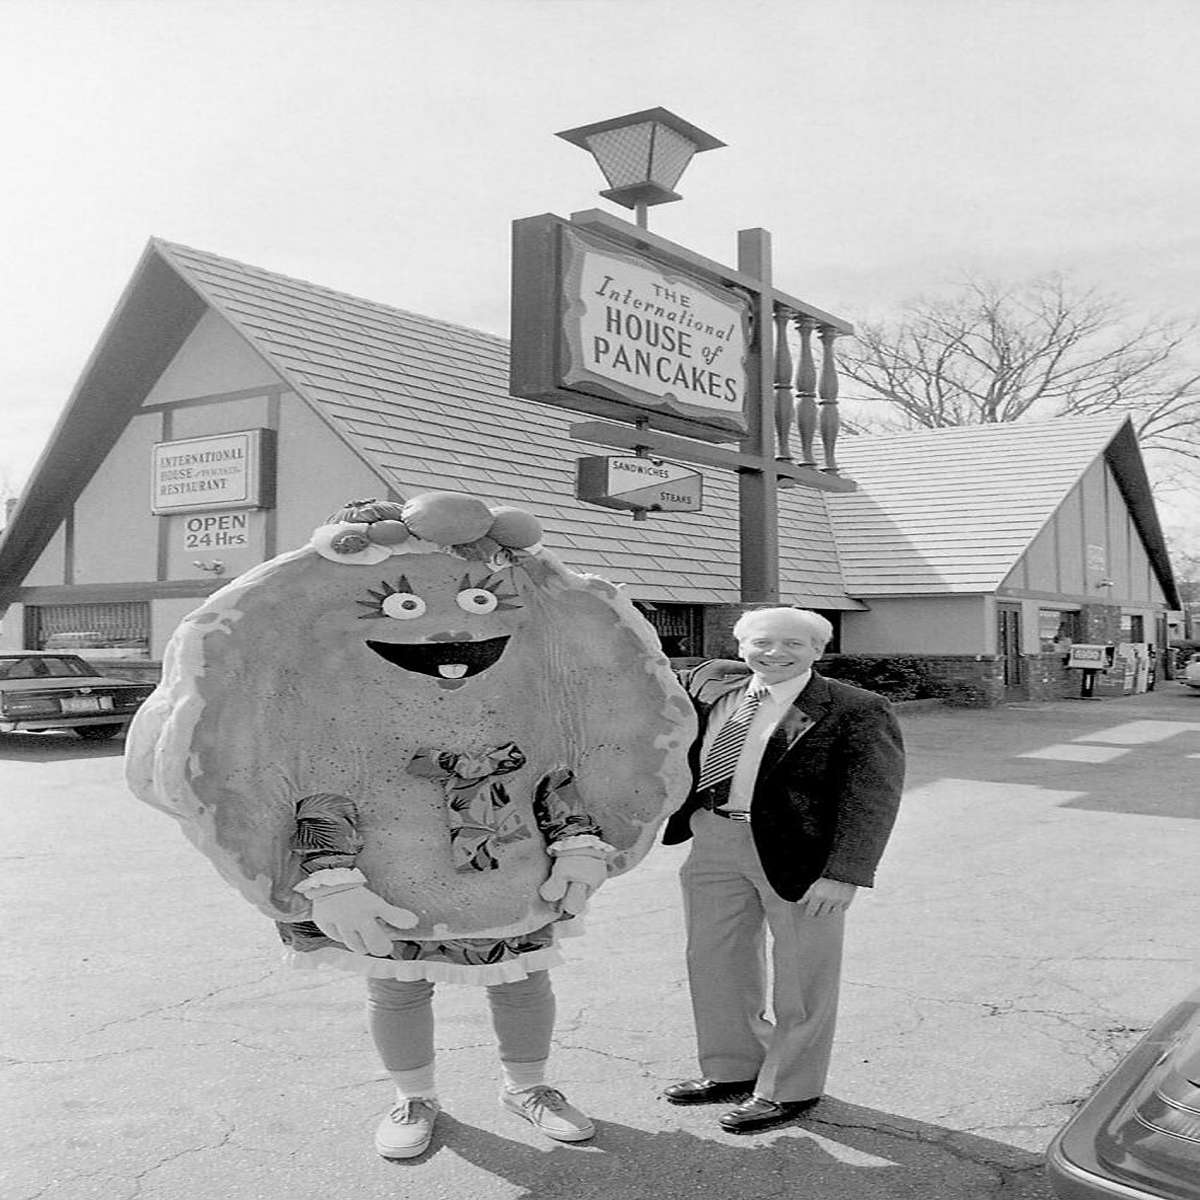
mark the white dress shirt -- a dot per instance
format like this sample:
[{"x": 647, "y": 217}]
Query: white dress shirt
[{"x": 778, "y": 699}]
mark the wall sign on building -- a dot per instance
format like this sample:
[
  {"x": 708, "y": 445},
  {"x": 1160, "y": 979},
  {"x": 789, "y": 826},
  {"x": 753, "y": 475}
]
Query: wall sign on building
[
  {"x": 215, "y": 531},
  {"x": 602, "y": 330},
  {"x": 225, "y": 470}
]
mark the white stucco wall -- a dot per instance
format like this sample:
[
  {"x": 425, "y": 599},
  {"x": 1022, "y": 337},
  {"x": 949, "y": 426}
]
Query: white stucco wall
[
  {"x": 164, "y": 616},
  {"x": 118, "y": 540},
  {"x": 115, "y": 533},
  {"x": 1092, "y": 537},
  {"x": 12, "y": 628},
  {"x": 48, "y": 570},
  {"x": 918, "y": 625},
  {"x": 214, "y": 360},
  {"x": 318, "y": 473}
]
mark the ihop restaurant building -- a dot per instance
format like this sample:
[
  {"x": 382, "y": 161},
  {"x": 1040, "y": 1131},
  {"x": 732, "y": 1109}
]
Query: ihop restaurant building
[{"x": 228, "y": 410}]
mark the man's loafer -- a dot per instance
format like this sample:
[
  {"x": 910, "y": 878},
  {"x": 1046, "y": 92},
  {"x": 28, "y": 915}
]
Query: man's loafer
[
  {"x": 707, "y": 1091},
  {"x": 758, "y": 1114}
]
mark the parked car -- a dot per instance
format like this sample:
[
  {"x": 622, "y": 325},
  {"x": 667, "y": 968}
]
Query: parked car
[
  {"x": 40, "y": 689},
  {"x": 1191, "y": 671},
  {"x": 1138, "y": 1135},
  {"x": 95, "y": 644}
]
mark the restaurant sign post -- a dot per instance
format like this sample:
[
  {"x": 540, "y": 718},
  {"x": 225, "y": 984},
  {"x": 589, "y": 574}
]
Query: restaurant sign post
[{"x": 680, "y": 356}]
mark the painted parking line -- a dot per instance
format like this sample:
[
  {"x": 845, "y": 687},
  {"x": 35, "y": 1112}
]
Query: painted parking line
[
  {"x": 1139, "y": 733},
  {"x": 1074, "y": 753}
]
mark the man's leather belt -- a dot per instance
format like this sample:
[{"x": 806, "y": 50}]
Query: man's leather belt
[{"x": 730, "y": 814}]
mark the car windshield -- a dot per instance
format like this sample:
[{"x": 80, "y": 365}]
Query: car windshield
[{"x": 41, "y": 666}]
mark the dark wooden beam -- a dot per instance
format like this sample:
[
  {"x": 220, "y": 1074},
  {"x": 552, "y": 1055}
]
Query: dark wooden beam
[{"x": 666, "y": 445}]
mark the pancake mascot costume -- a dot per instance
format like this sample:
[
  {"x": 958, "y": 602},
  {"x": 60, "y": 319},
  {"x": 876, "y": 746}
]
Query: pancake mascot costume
[{"x": 418, "y": 744}]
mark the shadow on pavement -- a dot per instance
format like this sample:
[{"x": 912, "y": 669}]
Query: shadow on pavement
[{"x": 841, "y": 1152}]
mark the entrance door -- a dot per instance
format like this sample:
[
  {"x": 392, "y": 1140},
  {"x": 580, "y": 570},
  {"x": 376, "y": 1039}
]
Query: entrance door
[{"x": 1008, "y": 650}]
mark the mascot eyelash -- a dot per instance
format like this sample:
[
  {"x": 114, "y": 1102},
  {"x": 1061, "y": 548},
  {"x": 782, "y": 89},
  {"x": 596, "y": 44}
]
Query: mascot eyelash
[{"x": 507, "y": 600}]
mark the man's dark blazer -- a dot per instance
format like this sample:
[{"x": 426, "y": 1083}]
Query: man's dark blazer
[{"x": 828, "y": 786}]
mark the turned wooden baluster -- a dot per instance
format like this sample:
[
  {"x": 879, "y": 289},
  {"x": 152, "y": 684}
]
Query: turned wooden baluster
[
  {"x": 785, "y": 408},
  {"x": 806, "y": 393},
  {"x": 830, "y": 419}
]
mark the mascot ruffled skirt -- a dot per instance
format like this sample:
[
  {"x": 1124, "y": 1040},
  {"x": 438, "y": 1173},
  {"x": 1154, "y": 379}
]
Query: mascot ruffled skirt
[{"x": 418, "y": 744}]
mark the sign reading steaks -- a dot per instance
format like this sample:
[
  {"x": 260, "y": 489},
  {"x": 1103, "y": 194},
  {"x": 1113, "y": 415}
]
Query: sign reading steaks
[{"x": 639, "y": 483}]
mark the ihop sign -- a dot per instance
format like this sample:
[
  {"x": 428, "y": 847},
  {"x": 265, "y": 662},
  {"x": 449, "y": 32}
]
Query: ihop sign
[{"x": 601, "y": 330}]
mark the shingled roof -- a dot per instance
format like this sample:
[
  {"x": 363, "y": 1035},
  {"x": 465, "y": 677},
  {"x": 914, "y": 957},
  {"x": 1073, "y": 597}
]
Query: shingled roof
[
  {"x": 426, "y": 402},
  {"x": 952, "y": 510}
]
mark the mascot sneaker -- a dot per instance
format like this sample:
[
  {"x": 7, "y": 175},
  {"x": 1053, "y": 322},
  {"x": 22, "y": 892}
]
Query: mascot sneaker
[
  {"x": 408, "y": 1129},
  {"x": 547, "y": 1109}
]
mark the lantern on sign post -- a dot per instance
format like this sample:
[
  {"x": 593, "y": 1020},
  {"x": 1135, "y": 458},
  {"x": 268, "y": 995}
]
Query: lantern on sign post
[
  {"x": 642, "y": 155},
  {"x": 674, "y": 352}
]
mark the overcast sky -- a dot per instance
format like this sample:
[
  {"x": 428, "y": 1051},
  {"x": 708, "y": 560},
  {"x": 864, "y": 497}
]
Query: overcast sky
[{"x": 383, "y": 147}]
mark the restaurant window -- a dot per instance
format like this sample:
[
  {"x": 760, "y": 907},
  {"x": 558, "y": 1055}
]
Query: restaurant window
[
  {"x": 1058, "y": 629},
  {"x": 835, "y": 619},
  {"x": 680, "y": 628},
  {"x": 91, "y": 630},
  {"x": 1133, "y": 627}
]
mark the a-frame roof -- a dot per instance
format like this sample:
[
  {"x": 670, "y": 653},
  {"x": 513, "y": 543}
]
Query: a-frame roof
[
  {"x": 952, "y": 510},
  {"x": 423, "y": 402}
]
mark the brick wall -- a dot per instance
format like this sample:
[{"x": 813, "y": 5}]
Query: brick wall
[
  {"x": 1048, "y": 678},
  {"x": 1101, "y": 624}
]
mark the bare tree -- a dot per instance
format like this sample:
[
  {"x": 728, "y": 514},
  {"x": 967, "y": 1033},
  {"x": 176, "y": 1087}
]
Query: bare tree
[
  {"x": 989, "y": 353},
  {"x": 8, "y": 496}
]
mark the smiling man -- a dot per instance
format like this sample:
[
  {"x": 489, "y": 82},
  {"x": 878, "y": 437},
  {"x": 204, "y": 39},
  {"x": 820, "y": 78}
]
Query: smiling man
[{"x": 797, "y": 779}]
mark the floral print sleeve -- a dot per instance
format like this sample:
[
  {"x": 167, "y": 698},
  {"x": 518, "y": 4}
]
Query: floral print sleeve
[
  {"x": 558, "y": 807},
  {"x": 326, "y": 832}
]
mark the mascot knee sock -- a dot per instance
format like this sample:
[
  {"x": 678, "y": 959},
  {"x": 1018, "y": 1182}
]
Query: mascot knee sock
[
  {"x": 520, "y": 1077},
  {"x": 413, "y": 1084}
]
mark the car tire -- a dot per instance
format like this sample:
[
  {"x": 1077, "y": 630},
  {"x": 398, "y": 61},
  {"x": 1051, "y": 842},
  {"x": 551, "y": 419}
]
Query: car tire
[{"x": 97, "y": 733}]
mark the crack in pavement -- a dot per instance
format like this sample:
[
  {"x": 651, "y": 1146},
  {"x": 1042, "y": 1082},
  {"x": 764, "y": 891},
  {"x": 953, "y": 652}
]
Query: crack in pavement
[{"x": 167, "y": 1009}]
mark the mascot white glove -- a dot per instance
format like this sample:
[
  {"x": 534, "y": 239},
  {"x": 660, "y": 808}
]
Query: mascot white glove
[
  {"x": 580, "y": 867},
  {"x": 345, "y": 909}
]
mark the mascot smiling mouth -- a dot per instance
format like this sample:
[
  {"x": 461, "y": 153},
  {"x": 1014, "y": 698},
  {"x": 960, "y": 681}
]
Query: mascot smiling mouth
[{"x": 451, "y": 663}]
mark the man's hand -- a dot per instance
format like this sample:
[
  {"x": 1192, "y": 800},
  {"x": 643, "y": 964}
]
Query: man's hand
[
  {"x": 826, "y": 897},
  {"x": 359, "y": 919}
]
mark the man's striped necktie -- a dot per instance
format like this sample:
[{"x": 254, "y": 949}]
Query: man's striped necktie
[{"x": 722, "y": 758}]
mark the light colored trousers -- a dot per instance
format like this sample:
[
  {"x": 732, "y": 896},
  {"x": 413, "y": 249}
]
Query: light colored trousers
[
  {"x": 400, "y": 1018},
  {"x": 728, "y": 907}
]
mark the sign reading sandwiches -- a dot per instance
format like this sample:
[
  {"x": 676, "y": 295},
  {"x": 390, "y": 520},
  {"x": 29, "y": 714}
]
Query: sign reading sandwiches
[
  {"x": 602, "y": 330},
  {"x": 633, "y": 483}
]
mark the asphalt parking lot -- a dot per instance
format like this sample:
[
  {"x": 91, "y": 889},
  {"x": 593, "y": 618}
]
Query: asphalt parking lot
[{"x": 1035, "y": 912}]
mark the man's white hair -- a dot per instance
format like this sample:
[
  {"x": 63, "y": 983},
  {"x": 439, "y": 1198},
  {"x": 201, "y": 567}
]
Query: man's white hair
[{"x": 819, "y": 629}]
